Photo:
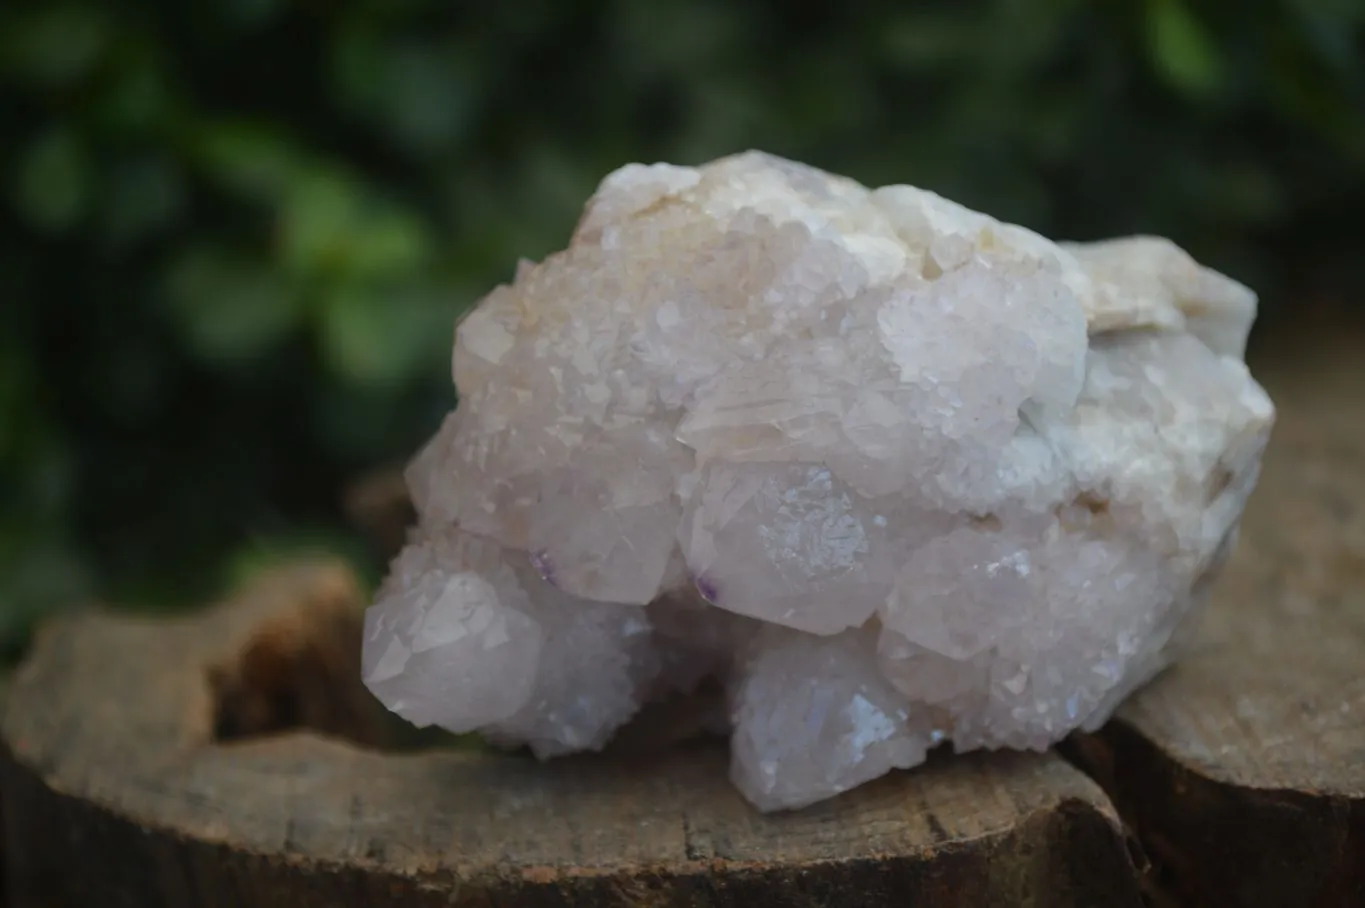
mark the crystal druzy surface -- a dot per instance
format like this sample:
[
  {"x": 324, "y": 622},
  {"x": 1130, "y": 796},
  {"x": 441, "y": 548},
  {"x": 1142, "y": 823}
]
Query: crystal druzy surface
[{"x": 894, "y": 471}]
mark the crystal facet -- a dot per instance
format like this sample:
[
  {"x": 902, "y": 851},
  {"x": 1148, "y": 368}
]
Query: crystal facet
[{"x": 898, "y": 473}]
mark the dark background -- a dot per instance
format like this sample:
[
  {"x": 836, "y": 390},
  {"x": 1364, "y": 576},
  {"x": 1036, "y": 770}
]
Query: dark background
[{"x": 235, "y": 234}]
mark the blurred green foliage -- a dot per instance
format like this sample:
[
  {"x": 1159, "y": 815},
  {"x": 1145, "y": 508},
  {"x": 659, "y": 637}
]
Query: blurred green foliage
[{"x": 236, "y": 233}]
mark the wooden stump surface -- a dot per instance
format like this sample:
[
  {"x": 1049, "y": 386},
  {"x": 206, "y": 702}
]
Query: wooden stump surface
[
  {"x": 1242, "y": 769},
  {"x": 166, "y": 763}
]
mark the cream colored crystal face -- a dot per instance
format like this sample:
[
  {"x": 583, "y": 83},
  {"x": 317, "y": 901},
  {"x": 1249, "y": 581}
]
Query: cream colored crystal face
[{"x": 899, "y": 472}]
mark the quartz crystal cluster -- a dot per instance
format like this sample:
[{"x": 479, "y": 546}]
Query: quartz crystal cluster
[{"x": 895, "y": 472}]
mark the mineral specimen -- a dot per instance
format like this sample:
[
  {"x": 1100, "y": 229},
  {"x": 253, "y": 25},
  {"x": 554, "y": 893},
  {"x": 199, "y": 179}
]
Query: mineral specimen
[{"x": 894, "y": 471}]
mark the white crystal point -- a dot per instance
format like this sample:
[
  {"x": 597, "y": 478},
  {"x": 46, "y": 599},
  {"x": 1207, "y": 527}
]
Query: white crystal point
[
  {"x": 467, "y": 636},
  {"x": 596, "y": 666},
  {"x": 788, "y": 544},
  {"x": 893, "y": 471},
  {"x": 602, "y": 532},
  {"x": 813, "y": 717},
  {"x": 450, "y": 617}
]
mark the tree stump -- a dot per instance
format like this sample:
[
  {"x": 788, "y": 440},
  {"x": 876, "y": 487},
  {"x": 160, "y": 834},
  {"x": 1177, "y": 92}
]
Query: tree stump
[
  {"x": 1242, "y": 768},
  {"x": 233, "y": 758}
]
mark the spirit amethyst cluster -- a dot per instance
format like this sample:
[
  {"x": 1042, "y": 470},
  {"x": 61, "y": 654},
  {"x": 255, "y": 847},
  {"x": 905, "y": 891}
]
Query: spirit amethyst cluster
[{"x": 894, "y": 471}]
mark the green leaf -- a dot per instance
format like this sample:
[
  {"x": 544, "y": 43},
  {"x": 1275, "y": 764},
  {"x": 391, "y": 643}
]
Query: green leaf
[
  {"x": 421, "y": 93},
  {"x": 247, "y": 159},
  {"x": 429, "y": 97},
  {"x": 140, "y": 196},
  {"x": 319, "y": 216},
  {"x": 136, "y": 96},
  {"x": 1183, "y": 53},
  {"x": 381, "y": 336},
  {"x": 1327, "y": 31},
  {"x": 926, "y": 40},
  {"x": 229, "y": 307},
  {"x": 56, "y": 45},
  {"x": 251, "y": 14},
  {"x": 389, "y": 244},
  {"x": 330, "y": 228},
  {"x": 54, "y": 180},
  {"x": 356, "y": 64}
]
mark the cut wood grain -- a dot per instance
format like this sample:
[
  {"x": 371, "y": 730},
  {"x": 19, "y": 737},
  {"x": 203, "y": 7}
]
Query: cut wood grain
[
  {"x": 119, "y": 793},
  {"x": 1242, "y": 769}
]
